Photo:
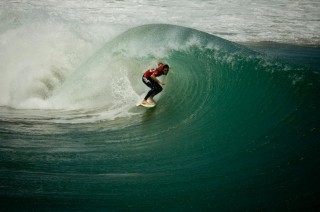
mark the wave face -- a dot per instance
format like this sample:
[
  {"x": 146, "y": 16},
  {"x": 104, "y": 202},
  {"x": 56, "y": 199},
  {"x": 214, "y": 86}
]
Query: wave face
[{"x": 232, "y": 129}]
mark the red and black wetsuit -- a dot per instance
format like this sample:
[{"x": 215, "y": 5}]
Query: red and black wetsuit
[{"x": 155, "y": 87}]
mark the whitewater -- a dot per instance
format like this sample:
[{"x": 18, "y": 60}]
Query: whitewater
[{"x": 236, "y": 126}]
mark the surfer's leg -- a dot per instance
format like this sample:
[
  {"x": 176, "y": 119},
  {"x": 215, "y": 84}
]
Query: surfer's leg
[
  {"x": 149, "y": 95},
  {"x": 151, "y": 84},
  {"x": 147, "y": 82},
  {"x": 154, "y": 91},
  {"x": 158, "y": 89}
]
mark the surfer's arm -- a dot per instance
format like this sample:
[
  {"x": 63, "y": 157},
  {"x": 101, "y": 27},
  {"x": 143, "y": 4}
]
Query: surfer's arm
[{"x": 155, "y": 79}]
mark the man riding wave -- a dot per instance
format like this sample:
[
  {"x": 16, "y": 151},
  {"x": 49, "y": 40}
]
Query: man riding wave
[{"x": 150, "y": 79}]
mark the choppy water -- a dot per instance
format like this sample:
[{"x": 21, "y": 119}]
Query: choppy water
[{"x": 236, "y": 127}]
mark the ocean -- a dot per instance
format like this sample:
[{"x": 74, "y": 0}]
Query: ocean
[{"x": 236, "y": 127}]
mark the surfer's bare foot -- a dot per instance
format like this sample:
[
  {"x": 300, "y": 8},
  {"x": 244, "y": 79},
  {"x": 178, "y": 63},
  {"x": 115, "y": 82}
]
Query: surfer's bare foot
[
  {"x": 144, "y": 102},
  {"x": 150, "y": 101}
]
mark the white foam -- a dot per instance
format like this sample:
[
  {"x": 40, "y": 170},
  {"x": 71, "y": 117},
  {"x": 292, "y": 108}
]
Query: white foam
[{"x": 37, "y": 56}]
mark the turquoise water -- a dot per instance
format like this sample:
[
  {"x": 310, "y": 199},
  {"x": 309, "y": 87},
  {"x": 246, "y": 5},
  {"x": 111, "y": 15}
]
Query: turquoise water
[{"x": 236, "y": 128}]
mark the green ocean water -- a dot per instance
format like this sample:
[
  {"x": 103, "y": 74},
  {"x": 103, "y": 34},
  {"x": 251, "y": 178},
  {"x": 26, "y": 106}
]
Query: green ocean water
[{"x": 235, "y": 129}]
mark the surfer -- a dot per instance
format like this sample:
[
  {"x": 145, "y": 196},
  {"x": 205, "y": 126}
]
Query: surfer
[{"x": 150, "y": 79}]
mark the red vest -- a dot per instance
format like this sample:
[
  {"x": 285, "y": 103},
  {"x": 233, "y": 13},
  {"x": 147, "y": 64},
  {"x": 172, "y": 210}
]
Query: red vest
[{"x": 156, "y": 72}]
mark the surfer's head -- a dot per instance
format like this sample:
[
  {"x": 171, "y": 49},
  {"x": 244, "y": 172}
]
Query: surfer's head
[{"x": 165, "y": 69}]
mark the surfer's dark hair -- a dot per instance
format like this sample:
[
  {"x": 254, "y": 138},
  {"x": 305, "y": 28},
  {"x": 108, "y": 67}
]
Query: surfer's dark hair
[{"x": 166, "y": 66}]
